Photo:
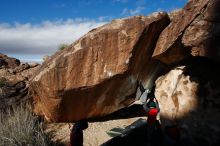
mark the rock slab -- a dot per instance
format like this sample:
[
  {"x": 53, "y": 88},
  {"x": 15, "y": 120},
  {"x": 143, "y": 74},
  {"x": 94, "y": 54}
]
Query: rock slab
[{"x": 193, "y": 31}]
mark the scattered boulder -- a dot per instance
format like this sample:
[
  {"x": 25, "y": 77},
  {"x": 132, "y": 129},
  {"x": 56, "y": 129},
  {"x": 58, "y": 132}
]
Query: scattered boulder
[
  {"x": 14, "y": 80},
  {"x": 12, "y": 62},
  {"x": 46, "y": 57},
  {"x": 22, "y": 67},
  {"x": 33, "y": 64},
  {"x": 2, "y": 56},
  {"x": 11, "y": 93},
  {"x": 2, "y": 63},
  {"x": 97, "y": 75},
  {"x": 8, "y": 62}
]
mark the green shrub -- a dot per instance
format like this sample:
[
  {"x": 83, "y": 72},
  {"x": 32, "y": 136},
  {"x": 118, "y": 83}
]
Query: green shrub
[
  {"x": 19, "y": 127},
  {"x": 63, "y": 46}
]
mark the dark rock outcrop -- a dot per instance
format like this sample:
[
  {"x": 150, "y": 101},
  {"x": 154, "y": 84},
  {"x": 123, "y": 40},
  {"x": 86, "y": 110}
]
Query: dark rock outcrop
[
  {"x": 97, "y": 75},
  {"x": 8, "y": 62},
  {"x": 14, "y": 80}
]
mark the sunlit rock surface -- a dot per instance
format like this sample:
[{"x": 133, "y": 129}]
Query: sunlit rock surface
[
  {"x": 189, "y": 96},
  {"x": 97, "y": 75},
  {"x": 194, "y": 30},
  {"x": 176, "y": 94}
]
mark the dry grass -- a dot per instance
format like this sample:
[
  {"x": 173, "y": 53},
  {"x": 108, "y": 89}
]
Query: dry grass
[{"x": 19, "y": 127}]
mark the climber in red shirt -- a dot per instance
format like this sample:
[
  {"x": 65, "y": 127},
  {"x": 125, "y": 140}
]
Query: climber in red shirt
[
  {"x": 154, "y": 131},
  {"x": 76, "y": 135},
  {"x": 151, "y": 106}
]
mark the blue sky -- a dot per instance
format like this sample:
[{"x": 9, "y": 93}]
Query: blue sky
[{"x": 30, "y": 29}]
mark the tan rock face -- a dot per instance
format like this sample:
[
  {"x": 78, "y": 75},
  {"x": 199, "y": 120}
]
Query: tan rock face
[
  {"x": 176, "y": 94},
  {"x": 189, "y": 95},
  {"x": 193, "y": 31},
  {"x": 97, "y": 74}
]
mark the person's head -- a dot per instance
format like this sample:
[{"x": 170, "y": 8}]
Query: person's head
[
  {"x": 151, "y": 97},
  {"x": 151, "y": 104}
]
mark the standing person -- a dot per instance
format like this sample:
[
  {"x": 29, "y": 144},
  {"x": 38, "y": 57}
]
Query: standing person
[
  {"x": 76, "y": 135},
  {"x": 151, "y": 106},
  {"x": 154, "y": 131}
]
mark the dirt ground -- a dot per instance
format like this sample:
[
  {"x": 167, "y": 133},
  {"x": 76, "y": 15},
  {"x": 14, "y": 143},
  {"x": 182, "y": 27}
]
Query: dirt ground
[{"x": 94, "y": 135}]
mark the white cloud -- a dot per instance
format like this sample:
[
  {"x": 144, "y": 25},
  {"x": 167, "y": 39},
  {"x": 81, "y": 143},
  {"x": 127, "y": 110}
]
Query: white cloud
[
  {"x": 43, "y": 38},
  {"x": 132, "y": 12}
]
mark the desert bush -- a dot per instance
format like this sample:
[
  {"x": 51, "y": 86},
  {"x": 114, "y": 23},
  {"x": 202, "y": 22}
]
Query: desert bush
[
  {"x": 19, "y": 127},
  {"x": 62, "y": 46}
]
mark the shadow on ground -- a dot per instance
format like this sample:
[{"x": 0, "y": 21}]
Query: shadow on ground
[
  {"x": 132, "y": 111},
  {"x": 136, "y": 134}
]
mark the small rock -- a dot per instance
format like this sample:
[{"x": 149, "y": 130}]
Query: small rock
[
  {"x": 2, "y": 62},
  {"x": 12, "y": 62},
  {"x": 11, "y": 71},
  {"x": 3, "y": 55},
  {"x": 22, "y": 67},
  {"x": 34, "y": 64},
  {"x": 46, "y": 57},
  {"x": 20, "y": 86}
]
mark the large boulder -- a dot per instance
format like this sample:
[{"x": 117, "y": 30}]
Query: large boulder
[
  {"x": 194, "y": 30},
  {"x": 97, "y": 75},
  {"x": 189, "y": 95},
  {"x": 176, "y": 94}
]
